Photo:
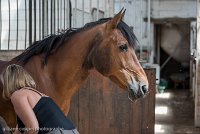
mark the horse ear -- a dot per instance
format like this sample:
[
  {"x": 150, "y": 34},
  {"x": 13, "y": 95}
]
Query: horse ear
[
  {"x": 123, "y": 13},
  {"x": 112, "y": 24}
]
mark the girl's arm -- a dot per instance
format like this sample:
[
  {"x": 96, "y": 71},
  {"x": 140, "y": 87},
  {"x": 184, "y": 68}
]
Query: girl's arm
[{"x": 25, "y": 112}]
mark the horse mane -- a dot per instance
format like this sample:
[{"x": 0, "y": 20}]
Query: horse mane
[{"x": 51, "y": 43}]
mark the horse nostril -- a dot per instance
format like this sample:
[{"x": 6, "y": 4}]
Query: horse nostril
[{"x": 144, "y": 89}]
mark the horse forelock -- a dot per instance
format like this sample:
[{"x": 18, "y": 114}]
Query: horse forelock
[{"x": 51, "y": 43}]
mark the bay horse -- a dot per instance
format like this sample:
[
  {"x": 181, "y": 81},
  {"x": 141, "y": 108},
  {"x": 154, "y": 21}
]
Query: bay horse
[{"x": 60, "y": 63}]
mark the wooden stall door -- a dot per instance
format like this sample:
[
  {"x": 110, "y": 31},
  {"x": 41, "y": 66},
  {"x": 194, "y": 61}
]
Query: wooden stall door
[{"x": 101, "y": 107}]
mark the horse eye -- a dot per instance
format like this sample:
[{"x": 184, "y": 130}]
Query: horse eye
[{"x": 123, "y": 48}]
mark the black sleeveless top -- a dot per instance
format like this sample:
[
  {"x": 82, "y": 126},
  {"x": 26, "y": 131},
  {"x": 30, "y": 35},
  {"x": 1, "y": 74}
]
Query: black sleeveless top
[
  {"x": 49, "y": 116},
  {"x": 1, "y": 129}
]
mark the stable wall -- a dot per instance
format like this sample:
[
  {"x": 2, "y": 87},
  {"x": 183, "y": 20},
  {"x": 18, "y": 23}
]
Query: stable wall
[
  {"x": 8, "y": 55},
  {"x": 173, "y": 9},
  {"x": 162, "y": 11}
]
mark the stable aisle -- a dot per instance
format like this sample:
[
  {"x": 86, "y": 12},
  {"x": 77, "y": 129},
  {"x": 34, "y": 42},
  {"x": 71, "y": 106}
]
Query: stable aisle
[{"x": 175, "y": 113}]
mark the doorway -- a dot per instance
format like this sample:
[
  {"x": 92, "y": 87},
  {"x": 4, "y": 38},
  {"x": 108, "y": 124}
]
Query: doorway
[
  {"x": 173, "y": 53},
  {"x": 174, "y": 108}
]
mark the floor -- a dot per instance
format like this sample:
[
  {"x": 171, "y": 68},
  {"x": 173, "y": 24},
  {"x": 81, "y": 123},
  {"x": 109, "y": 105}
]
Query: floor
[{"x": 175, "y": 113}]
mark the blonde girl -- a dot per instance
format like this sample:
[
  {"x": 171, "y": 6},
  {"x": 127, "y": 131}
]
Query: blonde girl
[{"x": 36, "y": 112}]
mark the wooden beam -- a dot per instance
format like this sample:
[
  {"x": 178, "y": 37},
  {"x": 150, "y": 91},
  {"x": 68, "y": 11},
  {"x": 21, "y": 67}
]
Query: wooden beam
[
  {"x": 170, "y": 20},
  {"x": 197, "y": 91}
]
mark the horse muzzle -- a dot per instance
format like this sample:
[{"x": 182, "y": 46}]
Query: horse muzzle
[{"x": 136, "y": 91}]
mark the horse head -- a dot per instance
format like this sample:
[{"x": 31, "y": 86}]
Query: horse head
[
  {"x": 106, "y": 45},
  {"x": 115, "y": 57}
]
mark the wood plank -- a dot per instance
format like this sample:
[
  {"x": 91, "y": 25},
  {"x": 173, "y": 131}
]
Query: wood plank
[
  {"x": 83, "y": 105},
  {"x": 151, "y": 101},
  {"x": 104, "y": 108},
  {"x": 95, "y": 106},
  {"x": 197, "y": 82},
  {"x": 73, "y": 113}
]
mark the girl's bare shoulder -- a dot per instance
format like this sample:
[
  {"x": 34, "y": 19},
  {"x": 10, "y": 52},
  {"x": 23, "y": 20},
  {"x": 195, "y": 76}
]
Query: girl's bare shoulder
[{"x": 18, "y": 95}]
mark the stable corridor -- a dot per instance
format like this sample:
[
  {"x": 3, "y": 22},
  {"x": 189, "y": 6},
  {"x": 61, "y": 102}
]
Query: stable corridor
[{"x": 175, "y": 113}]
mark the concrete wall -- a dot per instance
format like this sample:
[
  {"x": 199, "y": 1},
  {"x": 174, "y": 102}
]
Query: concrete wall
[
  {"x": 79, "y": 18},
  {"x": 8, "y": 55},
  {"x": 173, "y": 8}
]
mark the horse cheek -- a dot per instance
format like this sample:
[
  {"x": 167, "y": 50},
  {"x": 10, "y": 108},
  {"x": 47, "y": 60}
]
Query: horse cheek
[{"x": 102, "y": 61}]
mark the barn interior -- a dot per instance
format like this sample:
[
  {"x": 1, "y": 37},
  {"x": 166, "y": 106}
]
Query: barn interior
[
  {"x": 168, "y": 50},
  {"x": 174, "y": 102}
]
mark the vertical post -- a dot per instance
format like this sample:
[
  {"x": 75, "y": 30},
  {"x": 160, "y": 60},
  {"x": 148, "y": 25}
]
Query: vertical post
[
  {"x": 9, "y": 24},
  {"x": 197, "y": 92},
  {"x": 134, "y": 6},
  {"x": 83, "y": 8},
  {"x": 54, "y": 16},
  {"x": 34, "y": 37},
  {"x": 43, "y": 19},
  {"x": 90, "y": 10},
  {"x": 149, "y": 29},
  {"x": 30, "y": 22},
  {"x": 158, "y": 43},
  {"x": 60, "y": 9},
  {"x": 39, "y": 20},
  {"x": 64, "y": 16},
  {"x": 141, "y": 18},
  {"x": 75, "y": 14},
  {"x": 97, "y": 9},
  {"x": 58, "y": 17},
  {"x": 105, "y": 10},
  {"x": 113, "y": 4},
  {"x": 110, "y": 8},
  {"x": 17, "y": 26},
  {"x": 25, "y": 17},
  {"x": 193, "y": 53},
  {"x": 51, "y": 16},
  {"x": 0, "y": 24},
  {"x": 47, "y": 17},
  {"x": 67, "y": 14},
  {"x": 70, "y": 14}
]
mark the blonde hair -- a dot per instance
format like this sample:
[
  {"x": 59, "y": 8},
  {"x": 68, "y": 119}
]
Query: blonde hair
[{"x": 14, "y": 78}]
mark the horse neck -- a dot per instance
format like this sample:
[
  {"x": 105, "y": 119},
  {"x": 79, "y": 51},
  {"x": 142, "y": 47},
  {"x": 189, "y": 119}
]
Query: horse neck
[{"x": 67, "y": 65}]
